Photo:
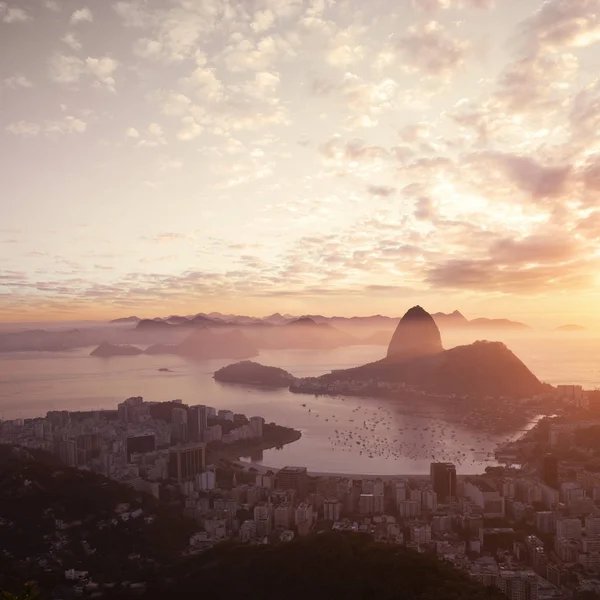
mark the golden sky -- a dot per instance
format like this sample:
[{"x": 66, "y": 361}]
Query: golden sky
[{"x": 302, "y": 156}]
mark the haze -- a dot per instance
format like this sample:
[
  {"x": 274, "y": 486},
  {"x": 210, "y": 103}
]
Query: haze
[{"x": 331, "y": 157}]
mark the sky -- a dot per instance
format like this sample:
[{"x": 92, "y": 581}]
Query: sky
[{"x": 339, "y": 157}]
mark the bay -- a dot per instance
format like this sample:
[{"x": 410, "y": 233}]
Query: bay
[{"x": 377, "y": 436}]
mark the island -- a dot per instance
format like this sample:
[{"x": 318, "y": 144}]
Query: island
[
  {"x": 251, "y": 373},
  {"x": 165, "y": 370},
  {"x": 105, "y": 350},
  {"x": 571, "y": 327}
]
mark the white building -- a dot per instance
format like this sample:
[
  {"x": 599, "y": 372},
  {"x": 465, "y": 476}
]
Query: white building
[{"x": 332, "y": 509}]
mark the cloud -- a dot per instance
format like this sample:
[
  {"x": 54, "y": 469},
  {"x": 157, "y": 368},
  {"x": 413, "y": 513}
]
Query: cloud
[
  {"x": 71, "y": 40},
  {"x": 429, "y": 48},
  {"x": 52, "y": 5},
  {"x": 132, "y": 132},
  {"x": 81, "y": 15},
  {"x": 165, "y": 238},
  {"x": 263, "y": 21},
  {"x": 381, "y": 190},
  {"x": 67, "y": 124},
  {"x": 424, "y": 209},
  {"x": 13, "y": 14},
  {"x": 432, "y": 6},
  {"x": 530, "y": 176},
  {"x": 487, "y": 276},
  {"x": 70, "y": 69},
  {"x": 23, "y": 129},
  {"x": 189, "y": 130},
  {"x": 17, "y": 81},
  {"x": 563, "y": 24},
  {"x": 343, "y": 49}
]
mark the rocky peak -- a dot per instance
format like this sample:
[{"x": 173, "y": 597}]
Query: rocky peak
[{"x": 416, "y": 335}]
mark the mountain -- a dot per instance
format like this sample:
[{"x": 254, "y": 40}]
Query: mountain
[
  {"x": 105, "y": 350},
  {"x": 415, "y": 357},
  {"x": 325, "y": 566},
  {"x": 203, "y": 344},
  {"x": 153, "y": 325},
  {"x": 416, "y": 336},
  {"x": 251, "y": 373},
  {"x": 455, "y": 319},
  {"x": 126, "y": 320},
  {"x": 571, "y": 327},
  {"x": 483, "y": 323},
  {"x": 55, "y": 518}
]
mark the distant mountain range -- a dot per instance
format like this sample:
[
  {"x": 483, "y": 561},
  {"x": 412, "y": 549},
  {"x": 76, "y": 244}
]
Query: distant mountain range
[
  {"x": 215, "y": 319},
  {"x": 276, "y": 331}
]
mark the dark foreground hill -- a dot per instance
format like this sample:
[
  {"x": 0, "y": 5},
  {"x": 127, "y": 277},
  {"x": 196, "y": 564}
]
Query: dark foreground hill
[
  {"x": 54, "y": 518},
  {"x": 325, "y": 566}
]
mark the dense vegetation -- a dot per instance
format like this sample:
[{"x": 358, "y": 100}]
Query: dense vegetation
[
  {"x": 54, "y": 518},
  {"x": 323, "y": 567}
]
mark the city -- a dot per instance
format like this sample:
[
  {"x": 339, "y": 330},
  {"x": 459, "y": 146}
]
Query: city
[{"x": 532, "y": 532}]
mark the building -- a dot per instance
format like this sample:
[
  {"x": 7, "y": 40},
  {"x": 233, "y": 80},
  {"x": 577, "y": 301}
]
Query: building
[
  {"x": 293, "y": 478},
  {"x": 179, "y": 424},
  {"x": 592, "y": 527},
  {"x": 549, "y": 470},
  {"x": 256, "y": 426},
  {"x": 366, "y": 504},
  {"x": 332, "y": 509},
  {"x": 139, "y": 444},
  {"x": 186, "y": 461},
  {"x": 420, "y": 533},
  {"x": 443, "y": 479},
  {"x": 409, "y": 508},
  {"x": 545, "y": 521},
  {"x": 197, "y": 422},
  {"x": 518, "y": 585},
  {"x": 282, "y": 515},
  {"x": 486, "y": 497},
  {"x": 568, "y": 528},
  {"x": 571, "y": 394},
  {"x": 304, "y": 515},
  {"x": 225, "y": 415}
]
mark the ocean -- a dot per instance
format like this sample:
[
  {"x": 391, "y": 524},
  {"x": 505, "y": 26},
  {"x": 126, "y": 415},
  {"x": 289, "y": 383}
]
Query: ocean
[{"x": 341, "y": 434}]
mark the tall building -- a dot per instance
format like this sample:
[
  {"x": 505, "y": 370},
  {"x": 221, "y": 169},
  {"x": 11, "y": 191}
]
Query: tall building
[
  {"x": 443, "y": 479},
  {"x": 197, "y": 422},
  {"x": 293, "y": 478},
  {"x": 179, "y": 424},
  {"x": 549, "y": 470},
  {"x": 186, "y": 460},
  {"x": 256, "y": 426},
  {"x": 519, "y": 585},
  {"x": 332, "y": 509}
]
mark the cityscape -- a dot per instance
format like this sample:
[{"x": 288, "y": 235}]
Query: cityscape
[
  {"x": 300, "y": 300},
  {"x": 531, "y": 530}
]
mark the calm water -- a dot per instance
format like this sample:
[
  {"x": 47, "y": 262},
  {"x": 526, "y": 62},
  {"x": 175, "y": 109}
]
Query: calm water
[{"x": 351, "y": 435}]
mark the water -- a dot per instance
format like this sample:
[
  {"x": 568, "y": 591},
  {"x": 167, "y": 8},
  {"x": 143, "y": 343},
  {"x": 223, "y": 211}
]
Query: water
[{"x": 33, "y": 383}]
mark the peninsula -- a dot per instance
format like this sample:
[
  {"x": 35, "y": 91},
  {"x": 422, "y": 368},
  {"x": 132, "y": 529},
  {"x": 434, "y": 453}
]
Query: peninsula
[{"x": 416, "y": 360}]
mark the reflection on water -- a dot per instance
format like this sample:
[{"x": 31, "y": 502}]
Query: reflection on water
[{"x": 391, "y": 438}]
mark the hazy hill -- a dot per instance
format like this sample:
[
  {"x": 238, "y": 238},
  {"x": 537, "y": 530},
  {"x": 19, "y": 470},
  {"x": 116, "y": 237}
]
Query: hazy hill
[
  {"x": 105, "y": 350},
  {"x": 203, "y": 344},
  {"x": 571, "y": 327}
]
